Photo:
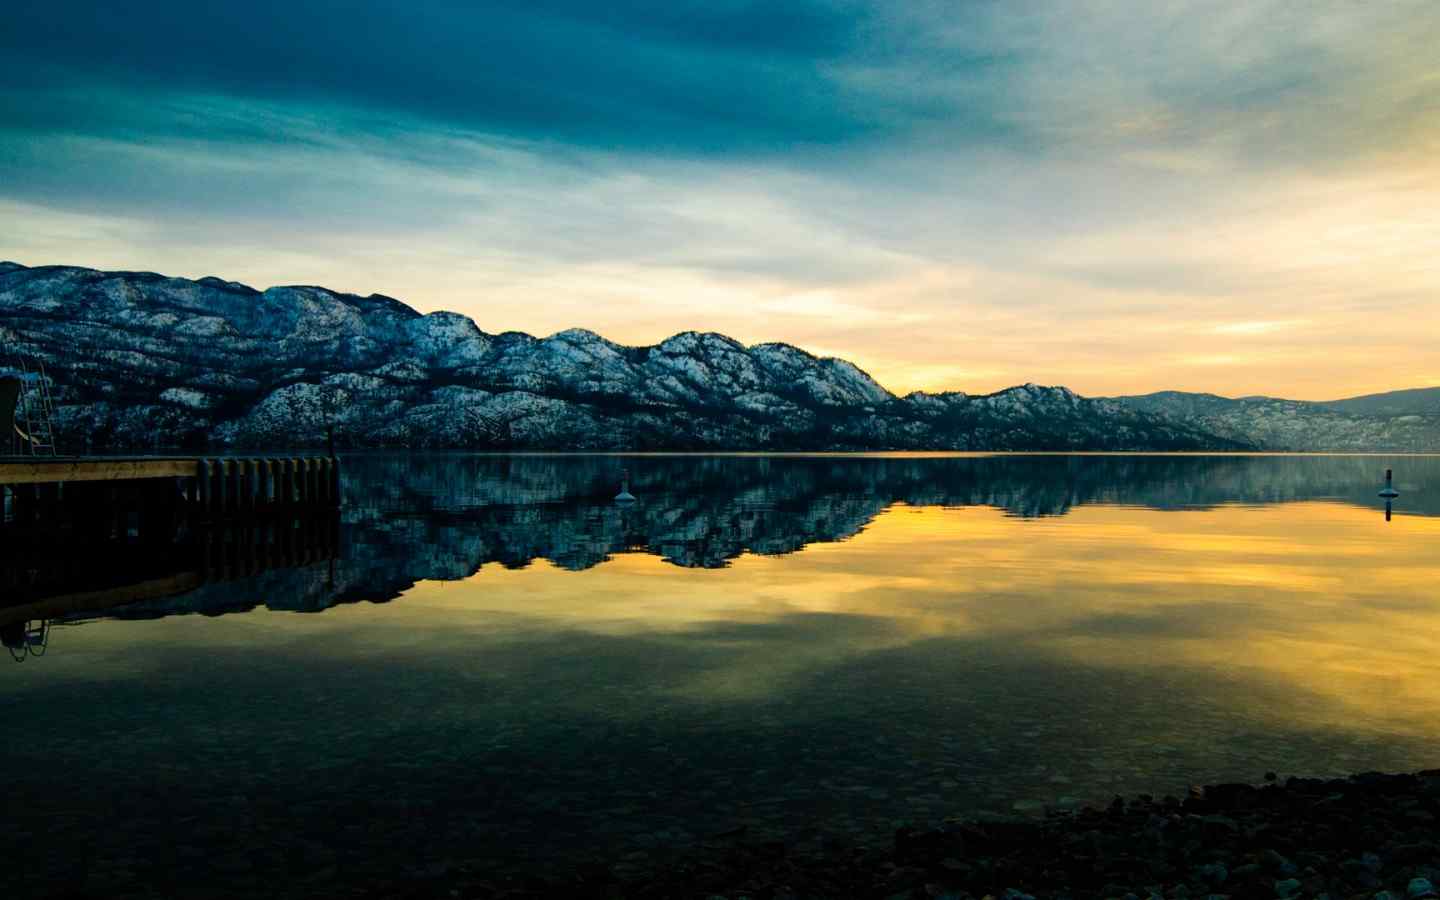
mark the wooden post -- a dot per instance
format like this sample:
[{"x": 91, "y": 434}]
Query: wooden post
[
  {"x": 322, "y": 482},
  {"x": 302, "y": 467},
  {"x": 208, "y": 478},
  {"x": 277, "y": 483},
  {"x": 223, "y": 487},
  {"x": 253, "y": 466},
  {"x": 297, "y": 478},
  {"x": 257, "y": 484},
  {"x": 237, "y": 485},
  {"x": 262, "y": 484},
  {"x": 243, "y": 491}
]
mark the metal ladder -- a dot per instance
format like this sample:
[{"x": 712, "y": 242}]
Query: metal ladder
[{"x": 37, "y": 409}]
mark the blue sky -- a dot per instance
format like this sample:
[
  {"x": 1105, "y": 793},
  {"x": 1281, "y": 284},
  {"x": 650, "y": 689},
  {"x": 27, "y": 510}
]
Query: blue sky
[{"x": 1238, "y": 197}]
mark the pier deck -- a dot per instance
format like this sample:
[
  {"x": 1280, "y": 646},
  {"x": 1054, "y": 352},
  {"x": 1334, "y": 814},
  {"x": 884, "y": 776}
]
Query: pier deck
[
  {"x": 213, "y": 487},
  {"x": 47, "y": 470}
]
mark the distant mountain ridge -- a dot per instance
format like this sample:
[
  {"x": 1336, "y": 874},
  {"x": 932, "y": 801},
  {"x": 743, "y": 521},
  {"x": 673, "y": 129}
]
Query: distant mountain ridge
[
  {"x": 1406, "y": 420},
  {"x": 140, "y": 361},
  {"x": 1412, "y": 402}
]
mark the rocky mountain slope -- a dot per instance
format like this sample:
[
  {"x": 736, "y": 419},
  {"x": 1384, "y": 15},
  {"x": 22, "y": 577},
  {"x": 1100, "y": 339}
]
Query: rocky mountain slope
[
  {"x": 143, "y": 361},
  {"x": 1402, "y": 420}
]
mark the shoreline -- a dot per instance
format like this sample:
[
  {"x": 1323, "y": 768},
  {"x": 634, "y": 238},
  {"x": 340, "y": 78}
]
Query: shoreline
[{"x": 1360, "y": 836}]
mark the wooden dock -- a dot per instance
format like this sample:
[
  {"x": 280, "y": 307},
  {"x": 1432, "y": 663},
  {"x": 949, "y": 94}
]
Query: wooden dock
[
  {"x": 83, "y": 491},
  {"x": 91, "y": 533}
]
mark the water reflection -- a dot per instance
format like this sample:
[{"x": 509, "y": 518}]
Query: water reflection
[
  {"x": 25, "y": 639},
  {"x": 811, "y": 647},
  {"x": 211, "y": 569},
  {"x": 409, "y": 519}
]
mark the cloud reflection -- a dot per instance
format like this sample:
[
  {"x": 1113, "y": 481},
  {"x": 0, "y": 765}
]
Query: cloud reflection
[{"x": 1347, "y": 616}]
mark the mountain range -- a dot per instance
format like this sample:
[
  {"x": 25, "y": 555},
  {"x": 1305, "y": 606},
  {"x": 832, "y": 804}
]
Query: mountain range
[{"x": 138, "y": 360}]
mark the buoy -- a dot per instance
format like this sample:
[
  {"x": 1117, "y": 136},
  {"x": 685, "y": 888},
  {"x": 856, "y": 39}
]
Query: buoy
[
  {"x": 1389, "y": 492},
  {"x": 624, "y": 496}
]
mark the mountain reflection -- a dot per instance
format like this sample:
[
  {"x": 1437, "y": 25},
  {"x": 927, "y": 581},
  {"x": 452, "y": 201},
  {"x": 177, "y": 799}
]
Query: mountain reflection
[
  {"x": 439, "y": 517},
  {"x": 704, "y": 511}
]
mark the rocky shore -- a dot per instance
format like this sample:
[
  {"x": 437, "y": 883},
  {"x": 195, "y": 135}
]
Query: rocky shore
[{"x": 1371, "y": 835}]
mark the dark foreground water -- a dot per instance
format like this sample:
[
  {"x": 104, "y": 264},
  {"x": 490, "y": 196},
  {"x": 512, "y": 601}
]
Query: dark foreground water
[{"x": 488, "y": 663}]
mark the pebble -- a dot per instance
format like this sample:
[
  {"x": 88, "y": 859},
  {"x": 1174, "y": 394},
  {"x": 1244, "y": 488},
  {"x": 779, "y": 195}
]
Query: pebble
[
  {"x": 1212, "y": 873},
  {"x": 1279, "y": 863}
]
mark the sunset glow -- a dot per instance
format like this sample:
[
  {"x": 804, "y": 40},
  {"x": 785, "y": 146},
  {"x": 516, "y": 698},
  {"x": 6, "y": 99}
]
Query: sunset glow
[{"x": 1240, "y": 199}]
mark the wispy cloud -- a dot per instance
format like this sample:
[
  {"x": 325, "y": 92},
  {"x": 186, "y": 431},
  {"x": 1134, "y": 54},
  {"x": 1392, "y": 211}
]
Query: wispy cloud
[{"x": 1233, "y": 197}]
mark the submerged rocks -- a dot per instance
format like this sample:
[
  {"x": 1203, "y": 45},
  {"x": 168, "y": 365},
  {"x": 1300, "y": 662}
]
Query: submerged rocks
[{"x": 1339, "y": 838}]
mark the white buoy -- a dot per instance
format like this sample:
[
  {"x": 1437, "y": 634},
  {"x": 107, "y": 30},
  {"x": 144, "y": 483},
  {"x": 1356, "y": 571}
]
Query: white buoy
[
  {"x": 624, "y": 496},
  {"x": 1389, "y": 492}
]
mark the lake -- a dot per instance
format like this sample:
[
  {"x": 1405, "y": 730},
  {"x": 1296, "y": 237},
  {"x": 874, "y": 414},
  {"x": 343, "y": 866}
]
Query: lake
[{"x": 486, "y": 662}]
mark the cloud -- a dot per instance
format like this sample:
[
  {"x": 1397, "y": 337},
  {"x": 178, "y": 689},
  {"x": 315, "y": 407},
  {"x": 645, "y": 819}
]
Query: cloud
[
  {"x": 691, "y": 77},
  {"x": 953, "y": 195}
]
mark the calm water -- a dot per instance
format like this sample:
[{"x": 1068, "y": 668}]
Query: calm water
[{"x": 492, "y": 664}]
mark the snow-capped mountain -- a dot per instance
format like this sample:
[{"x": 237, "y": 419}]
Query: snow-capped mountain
[{"x": 140, "y": 360}]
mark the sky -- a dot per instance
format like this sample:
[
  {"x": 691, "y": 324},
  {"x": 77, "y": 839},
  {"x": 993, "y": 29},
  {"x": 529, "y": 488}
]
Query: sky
[{"x": 1236, "y": 197}]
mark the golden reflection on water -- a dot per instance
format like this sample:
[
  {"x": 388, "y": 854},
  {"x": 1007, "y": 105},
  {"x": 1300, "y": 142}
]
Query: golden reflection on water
[
  {"x": 1326, "y": 600},
  {"x": 1325, "y": 603}
]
